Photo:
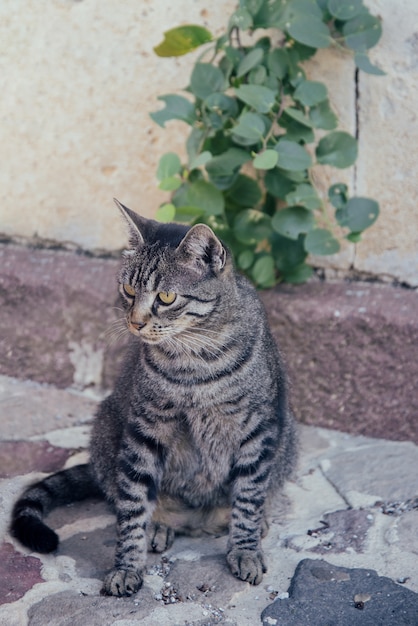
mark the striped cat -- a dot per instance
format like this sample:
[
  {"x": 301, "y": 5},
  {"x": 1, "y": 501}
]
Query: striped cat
[{"x": 197, "y": 434}]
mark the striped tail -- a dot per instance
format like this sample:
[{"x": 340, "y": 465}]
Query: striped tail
[{"x": 65, "y": 487}]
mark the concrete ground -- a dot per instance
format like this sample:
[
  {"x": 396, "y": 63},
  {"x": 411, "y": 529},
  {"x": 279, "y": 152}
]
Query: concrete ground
[{"x": 352, "y": 508}]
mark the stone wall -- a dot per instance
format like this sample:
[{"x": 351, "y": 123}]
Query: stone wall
[{"x": 80, "y": 77}]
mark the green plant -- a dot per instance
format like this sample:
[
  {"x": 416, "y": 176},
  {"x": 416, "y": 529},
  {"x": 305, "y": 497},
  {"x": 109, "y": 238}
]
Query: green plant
[{"x": 252, "y": 112}]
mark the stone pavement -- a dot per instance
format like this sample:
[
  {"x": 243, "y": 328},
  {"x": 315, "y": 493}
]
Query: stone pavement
[{"x": 342, "y": 547}]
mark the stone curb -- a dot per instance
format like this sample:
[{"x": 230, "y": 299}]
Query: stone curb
[{"x": 350, "y": 347}]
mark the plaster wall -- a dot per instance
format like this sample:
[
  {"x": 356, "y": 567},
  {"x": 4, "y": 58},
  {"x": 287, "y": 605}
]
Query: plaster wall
[{"x": 79, "y": 78}]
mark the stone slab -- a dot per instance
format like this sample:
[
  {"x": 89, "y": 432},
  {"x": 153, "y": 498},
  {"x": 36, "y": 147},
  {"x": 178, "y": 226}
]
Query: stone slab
[
  {"x": 321, "y": 593},
  {"x": 350, "y": 347},
  {"x": 351, "y": 355},
  {"x": 28, "y": 408}
]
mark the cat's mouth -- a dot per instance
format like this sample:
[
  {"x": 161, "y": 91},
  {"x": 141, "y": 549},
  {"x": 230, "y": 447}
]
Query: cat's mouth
[{"x": 146, "y": 333}]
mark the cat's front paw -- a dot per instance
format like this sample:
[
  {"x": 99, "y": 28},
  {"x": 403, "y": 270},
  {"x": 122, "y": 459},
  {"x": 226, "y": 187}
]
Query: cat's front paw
[
  {"x": 160, "y": 537},
  {"x": 120, "y": 582},
  {"x": 248, "y": 565}
]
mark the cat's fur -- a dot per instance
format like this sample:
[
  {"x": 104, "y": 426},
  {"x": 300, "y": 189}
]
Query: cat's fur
[{"x": 197, "y": 434}]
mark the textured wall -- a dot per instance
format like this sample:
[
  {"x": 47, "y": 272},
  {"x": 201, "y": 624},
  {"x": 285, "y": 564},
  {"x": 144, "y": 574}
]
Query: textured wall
[{"x": 78, "y": 79}]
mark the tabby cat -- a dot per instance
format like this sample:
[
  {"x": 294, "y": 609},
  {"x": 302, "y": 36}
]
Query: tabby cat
[{"x": 197, "y": 434}]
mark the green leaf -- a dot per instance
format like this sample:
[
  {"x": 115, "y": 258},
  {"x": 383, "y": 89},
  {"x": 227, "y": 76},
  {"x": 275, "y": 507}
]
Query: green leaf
[
  {"x": 345, "y": 9},
  {"x": 250, "y": 126},
  {"x": 363, "y": 62},
  {"x": 337, "y": 195},
  {"x": 310, "y": 92},
  {"x": 293, "y": 221},
  {"x": 288, "y": 253},
  {"x": 304, "y": 195},
  {"x": 181, "y": 40},
  {"x": 205, "y": 80},
  {"x": 338, "y": 149},
  {"x": 166, "y": 213},
  {"x": 245, "y": 192},
  {"x": 258, "y": 76},
  {"x": 296, "y": 177},
  {"x": 353, "y": 237},
  {"x": 250, "y": 60},
  {"x": 176, "y": 108},
  {"x": 294, "y": 9},
  {"x": 263, "y": 272},
  {"x": 362, "y": 32},
  {"x": 266, "y": 160},
  {"x": 252, "y": 6},
  {"x": 278, "y": 63},
  {"x": 252, "y": 226},
  {"x": 277, "y": 183},
  {"x": 295, "y": 131},
  {"x": 297, "y": 115},
  {"x": 223, "y": 169},
  {"x": 200, "y": 159},
  {"x": 201, "y": 195},
  {"x": 219, "y": 102},
  {"x": 188, "y": 214},
  {"x": 321, "y": 241},
  {"x": 358, "y": 214},
  {"x": 227, "y": 162},
  {"x": 322, "y": 116},
  {"x": 269, "y": 15},
  {"x": 194, "y": 143},
  {"x": 258, "y": 97},
  {"x": 171, "y": 183},
  {"x": 168, "y": 165},
  {"x": 298, "y": 275},
  {"x": 310, "y": 30},
  {"x": 241, "y": 19},
  {"x": 292, "y": 156},
  {"x": 298, "y": 53},
  {"x": 245, "y": 259}
]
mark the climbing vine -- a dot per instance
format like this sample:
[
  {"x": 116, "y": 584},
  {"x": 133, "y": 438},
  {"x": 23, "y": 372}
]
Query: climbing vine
[{"x": 257, "y": 127}]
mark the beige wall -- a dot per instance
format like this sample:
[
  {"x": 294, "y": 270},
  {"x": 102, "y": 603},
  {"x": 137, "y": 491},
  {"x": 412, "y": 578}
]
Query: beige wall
[{"x": 78, "y": 79}]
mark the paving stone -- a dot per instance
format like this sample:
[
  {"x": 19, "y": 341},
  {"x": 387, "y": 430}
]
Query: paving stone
[
  {"x": 342, "y": 531},
  {"x": 321, "y": 593},
  {"x": 23, "y": 457},
  {"x": 391, "y": 470},
  {"x": 206, "y": 580},
  {"x": 69, "y": 608},
  {"x": 18, "y": 573},
  {"x": 28, "y": 408}
]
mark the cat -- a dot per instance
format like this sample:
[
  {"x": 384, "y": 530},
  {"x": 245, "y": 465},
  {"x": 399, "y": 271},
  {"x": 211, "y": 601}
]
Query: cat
[{"x": 197, "y": 435}]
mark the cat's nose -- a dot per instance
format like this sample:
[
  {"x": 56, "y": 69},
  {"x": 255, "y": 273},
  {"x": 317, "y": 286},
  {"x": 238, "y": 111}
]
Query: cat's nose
[{"x": 138, "y": 325}]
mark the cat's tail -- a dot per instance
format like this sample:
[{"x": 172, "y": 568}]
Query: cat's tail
[{"x": 69, "y": 485}]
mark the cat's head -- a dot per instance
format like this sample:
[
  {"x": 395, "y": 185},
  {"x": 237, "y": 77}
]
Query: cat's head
[{"x": 174, "y": 278}]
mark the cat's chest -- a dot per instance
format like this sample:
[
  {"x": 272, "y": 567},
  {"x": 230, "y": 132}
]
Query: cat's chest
[{"x": 202, "y": 450}]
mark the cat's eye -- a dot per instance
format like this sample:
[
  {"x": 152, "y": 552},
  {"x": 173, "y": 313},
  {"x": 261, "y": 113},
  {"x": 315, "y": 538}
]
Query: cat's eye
[
  {"x": 167, "y": 297},
  {"x": 129, "y": 290}
]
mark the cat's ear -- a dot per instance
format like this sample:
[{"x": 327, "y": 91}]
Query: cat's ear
[
  {"x": 135, "y": 222},
  {"x": 201, "y": 248}
]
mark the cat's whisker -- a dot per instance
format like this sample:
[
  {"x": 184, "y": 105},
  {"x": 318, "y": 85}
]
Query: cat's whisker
[
  {"x": 206, "y": 343},
  {"x": 219, "y": 338},
  {"x": 188, "y": 349},
  {"x": 197, "y": 346},
  {"x": 203, "y": 345},
  {"x": 115, "y": 331}
]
